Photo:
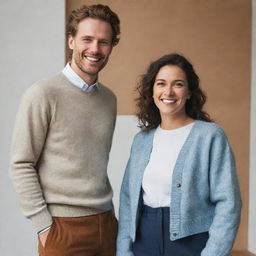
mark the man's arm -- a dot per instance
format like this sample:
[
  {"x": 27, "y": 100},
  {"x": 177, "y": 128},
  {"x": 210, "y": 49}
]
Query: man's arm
[{"x": 29, "y": 136}]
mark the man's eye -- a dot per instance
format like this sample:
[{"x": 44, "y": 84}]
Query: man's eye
[{"x": 104, "y": 42}]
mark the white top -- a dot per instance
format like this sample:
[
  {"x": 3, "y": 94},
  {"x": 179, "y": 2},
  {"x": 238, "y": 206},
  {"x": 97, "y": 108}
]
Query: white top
[{"x": 157, "y": 179}]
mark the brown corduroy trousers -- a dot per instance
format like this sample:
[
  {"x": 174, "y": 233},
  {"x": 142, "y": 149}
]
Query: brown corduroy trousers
[{"x": 81, "y": 236}]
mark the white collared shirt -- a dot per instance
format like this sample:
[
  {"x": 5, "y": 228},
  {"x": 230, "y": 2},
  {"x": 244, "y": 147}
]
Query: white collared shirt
[{"x": 75, "y": 79}]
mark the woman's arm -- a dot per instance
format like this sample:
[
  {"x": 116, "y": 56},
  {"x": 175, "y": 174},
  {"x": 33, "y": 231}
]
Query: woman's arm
[
  {"x": 124, "y": 240},
  {"x": 225, "y": 194}
]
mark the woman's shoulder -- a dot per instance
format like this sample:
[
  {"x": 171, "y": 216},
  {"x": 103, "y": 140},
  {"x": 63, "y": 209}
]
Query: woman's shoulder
[
  {"x": 209, "y": 128},
  {"x": 208, "y": 133},
  {"x": 144, "y": 134},
  {"x": 143, "y": 139}
]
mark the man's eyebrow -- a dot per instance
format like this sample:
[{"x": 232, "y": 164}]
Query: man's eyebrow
[{"x": 86, "y": 36}]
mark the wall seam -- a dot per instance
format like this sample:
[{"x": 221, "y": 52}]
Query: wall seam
[{"x": 252, "y": 175}]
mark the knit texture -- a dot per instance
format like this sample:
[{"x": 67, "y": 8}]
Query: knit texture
[
  {"x": 60, "y": 151},
  {"x": 205, "y": 193}
]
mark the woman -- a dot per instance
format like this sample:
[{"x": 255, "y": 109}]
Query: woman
[{"x": 180, "y": 195}]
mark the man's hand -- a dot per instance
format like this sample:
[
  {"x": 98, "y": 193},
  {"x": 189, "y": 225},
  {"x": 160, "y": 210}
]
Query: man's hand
[{"x": 43, "y": 236}]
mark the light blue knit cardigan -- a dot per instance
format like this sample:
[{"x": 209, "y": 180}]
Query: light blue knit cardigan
[{"x": 205, "y": 193}]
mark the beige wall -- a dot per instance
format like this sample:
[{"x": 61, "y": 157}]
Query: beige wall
[
  {"x": 252, "y": 176},
  {"x": 216, "y": 36}
]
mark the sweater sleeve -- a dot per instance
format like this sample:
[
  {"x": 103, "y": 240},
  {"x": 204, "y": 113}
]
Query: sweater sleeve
[
  {"x": 124, "y": 240},
  {"x": 225, "y": 194},
  {"x": 30, "y": 131}
]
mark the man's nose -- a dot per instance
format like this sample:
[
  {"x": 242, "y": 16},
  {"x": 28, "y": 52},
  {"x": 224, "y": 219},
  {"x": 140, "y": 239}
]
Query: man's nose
[{"x": 94, "y": 47}]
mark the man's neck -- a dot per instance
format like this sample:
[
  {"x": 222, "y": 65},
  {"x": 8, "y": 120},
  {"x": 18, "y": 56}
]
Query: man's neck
[{"x": 88, "y": 78}]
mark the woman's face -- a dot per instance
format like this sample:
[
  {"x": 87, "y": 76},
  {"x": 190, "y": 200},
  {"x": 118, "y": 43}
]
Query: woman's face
[{"x": 170, "y": 92}]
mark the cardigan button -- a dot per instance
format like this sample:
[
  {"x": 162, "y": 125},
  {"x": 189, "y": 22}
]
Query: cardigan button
[
  {"x": 174, "y": 234},
  {"x": 178, "y": 185}
]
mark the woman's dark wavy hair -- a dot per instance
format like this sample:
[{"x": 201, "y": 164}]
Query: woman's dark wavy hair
[{"x": 148, "y": 113}]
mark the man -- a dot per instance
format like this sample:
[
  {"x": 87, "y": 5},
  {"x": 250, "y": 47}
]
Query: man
[{"x": 61, "y": 145}]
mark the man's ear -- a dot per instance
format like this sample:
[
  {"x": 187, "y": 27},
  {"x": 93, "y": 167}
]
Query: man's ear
[{"x": 71, "y": 42}]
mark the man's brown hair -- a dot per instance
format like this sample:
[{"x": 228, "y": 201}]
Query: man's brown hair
[{"x": 98, "y": 11}]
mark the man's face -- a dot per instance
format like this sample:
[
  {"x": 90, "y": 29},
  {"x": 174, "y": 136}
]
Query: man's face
[{"x": 91, "y": 47}]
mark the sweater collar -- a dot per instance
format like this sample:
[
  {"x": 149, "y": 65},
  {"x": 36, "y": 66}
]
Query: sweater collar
[{"x": 75, "y": 79}]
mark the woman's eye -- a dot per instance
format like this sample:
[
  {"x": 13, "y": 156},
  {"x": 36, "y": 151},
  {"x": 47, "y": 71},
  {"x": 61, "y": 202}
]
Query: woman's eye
[{"x": 179, "y": 85}]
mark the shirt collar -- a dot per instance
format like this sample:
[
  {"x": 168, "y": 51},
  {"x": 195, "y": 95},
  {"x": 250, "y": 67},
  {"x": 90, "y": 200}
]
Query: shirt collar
[{"x": 75, "y": 79}]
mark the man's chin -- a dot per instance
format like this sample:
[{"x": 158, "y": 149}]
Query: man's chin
[{"x": 91, "y": 71}]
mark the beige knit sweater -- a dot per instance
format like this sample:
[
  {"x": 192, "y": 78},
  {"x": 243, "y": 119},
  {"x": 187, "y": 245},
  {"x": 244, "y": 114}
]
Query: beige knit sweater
[{"x": 60, "y": 151}]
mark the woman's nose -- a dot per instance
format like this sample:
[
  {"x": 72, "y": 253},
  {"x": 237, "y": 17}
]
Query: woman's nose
[{"x": 169, "y": 90}]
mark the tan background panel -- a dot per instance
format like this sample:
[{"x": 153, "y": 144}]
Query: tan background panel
[{"x": 216, "y": 36}]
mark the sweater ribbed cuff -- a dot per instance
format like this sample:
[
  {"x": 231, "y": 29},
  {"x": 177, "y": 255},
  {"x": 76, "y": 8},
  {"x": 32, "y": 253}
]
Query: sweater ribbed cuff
[{"x": 41, "y": 220}]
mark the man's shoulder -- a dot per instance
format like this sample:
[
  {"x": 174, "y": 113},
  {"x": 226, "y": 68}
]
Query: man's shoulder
[
  {"x": 106, "y": 90},
  {"x": 50, "y": 82},
  {"x": 45, "y": 86}
]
